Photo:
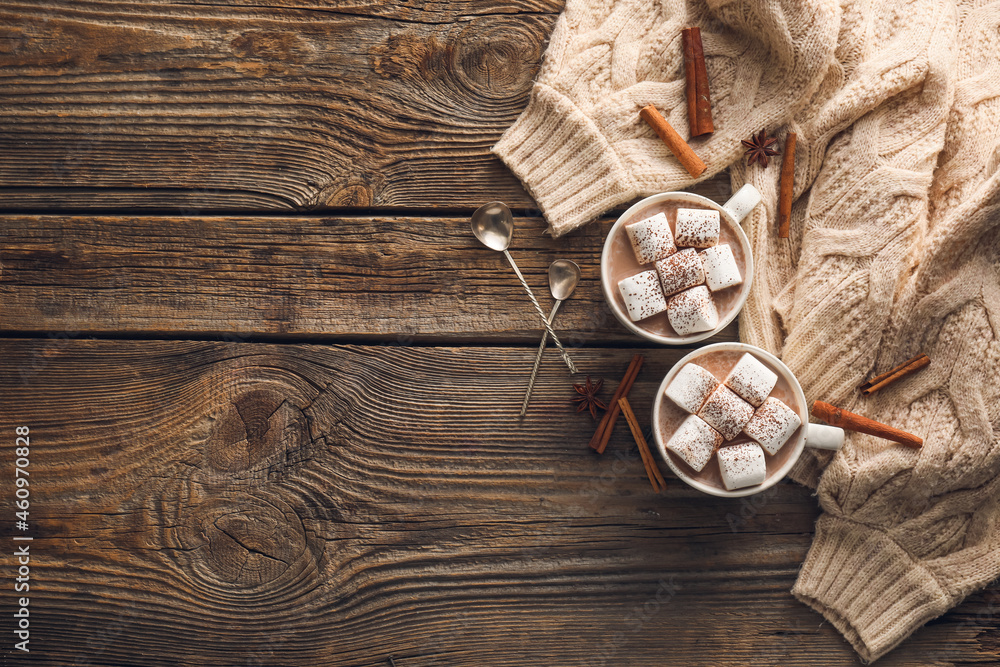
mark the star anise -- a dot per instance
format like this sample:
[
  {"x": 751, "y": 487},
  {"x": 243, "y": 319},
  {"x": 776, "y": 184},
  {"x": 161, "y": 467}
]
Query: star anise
[
  {"x": 588, "y": 397},
  {"x": 759, "y": 148}
]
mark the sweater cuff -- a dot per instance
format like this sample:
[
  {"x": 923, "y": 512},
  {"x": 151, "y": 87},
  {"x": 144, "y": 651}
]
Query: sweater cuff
[
  {"x": 867, "y": 586},
  {"x": 564, "y": 161}
]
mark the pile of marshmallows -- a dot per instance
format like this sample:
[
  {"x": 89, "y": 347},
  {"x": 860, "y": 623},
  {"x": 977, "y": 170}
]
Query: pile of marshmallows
[
  {"x": 682, "y": 274},
  {"x": 720, "y": 410}
]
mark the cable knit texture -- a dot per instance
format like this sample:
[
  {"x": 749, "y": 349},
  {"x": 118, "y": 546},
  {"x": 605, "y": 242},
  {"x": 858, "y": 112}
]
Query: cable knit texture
[{"x": 894, "y": 249}]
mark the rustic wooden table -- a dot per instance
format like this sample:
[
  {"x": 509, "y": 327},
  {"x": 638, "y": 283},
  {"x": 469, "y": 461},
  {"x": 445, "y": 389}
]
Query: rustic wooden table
[{"x": 272, "y": 381}]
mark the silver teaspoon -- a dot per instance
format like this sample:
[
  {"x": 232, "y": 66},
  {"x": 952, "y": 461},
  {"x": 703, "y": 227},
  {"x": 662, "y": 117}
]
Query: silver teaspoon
[
  {"x": 564, "y": 276},
  {"x": 493, "y": 225}
]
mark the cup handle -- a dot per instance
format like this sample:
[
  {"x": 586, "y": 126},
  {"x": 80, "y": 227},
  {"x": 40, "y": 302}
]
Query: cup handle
[
  {"x": 821, "y": 436},
  {"x": 741, "y": 203}
]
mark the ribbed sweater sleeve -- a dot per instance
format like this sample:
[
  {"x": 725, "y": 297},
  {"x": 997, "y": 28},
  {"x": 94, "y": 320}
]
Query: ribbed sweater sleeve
[{"x": 580, "y": 147}]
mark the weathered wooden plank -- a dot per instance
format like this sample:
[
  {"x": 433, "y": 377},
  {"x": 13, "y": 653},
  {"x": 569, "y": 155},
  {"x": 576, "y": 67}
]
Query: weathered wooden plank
[
  {"x": 199, "y": 107},
  {"x": 396, "y": 279},
  {"x": 217, "y": 504},
  {"x": 263, "y": 106}
]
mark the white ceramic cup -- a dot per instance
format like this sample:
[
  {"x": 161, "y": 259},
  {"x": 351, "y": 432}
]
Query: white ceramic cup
[
  {"x": 818, "y": 436},
  {"x": 733, "y": 212}
]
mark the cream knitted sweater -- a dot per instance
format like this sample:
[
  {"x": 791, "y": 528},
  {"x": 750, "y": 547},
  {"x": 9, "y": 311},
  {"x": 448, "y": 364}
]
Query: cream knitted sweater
[{"x": 894, "y": 248}]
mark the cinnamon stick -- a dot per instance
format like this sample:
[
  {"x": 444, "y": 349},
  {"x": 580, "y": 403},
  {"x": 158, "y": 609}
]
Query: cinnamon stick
[
  {"x": 652, "y": 471},
  {"x": 883, "y": 376},
  {"x": 699, "y": 101},
  {"x": 882, "y": 381},
  {"x": 853, "y": 422},
  {"x": 691, "y": 162},
  {"x": 603, "y": 434},
  {"x": 690, "y": 81},
  {"x": 787, "y": 186}
]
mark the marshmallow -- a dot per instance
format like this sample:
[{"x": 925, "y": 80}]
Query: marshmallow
[
  {"x": 651, "y": 238},
  {"x": 726, "y": 412},
  {"x": 751, "y": 379},
  {"x": 643, "y": 295},
  {"x": 772, "y": 425},
  {"x": 680, "y": 271},
  {"x": 694, "y": 441},
  {"x": 692, "y": 311},
  {"x": 742, "y": 465},
  {"x": 721, "y": 269},
  {"x": 691, "y": 386},
  {"x": 697, "y": 227}
]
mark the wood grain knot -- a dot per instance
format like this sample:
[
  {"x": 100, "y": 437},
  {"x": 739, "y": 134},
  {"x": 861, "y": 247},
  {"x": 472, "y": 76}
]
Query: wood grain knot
[
  {"x": 498, "y": 60},
  {"x": 350, "y": 195},
  {"x": 491, "y": 59},
  {"x": 245, "y": 542},
  {"x": 261, "y": 431}
]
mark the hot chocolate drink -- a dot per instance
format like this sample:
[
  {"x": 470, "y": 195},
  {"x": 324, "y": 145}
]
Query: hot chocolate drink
[
  {"x": 669, "y": 260},
  {"x": 716, "y": 379}
]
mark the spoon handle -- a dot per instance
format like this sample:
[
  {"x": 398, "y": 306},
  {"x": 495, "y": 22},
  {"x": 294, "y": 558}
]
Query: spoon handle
[
  {"x": 548, "y": 327},
  {"x": 538, "y": 359}
]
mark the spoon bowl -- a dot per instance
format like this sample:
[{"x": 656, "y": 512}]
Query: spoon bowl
[
  {"x": 564, "y": 276},
  {"x": 493, "y": 225}
]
